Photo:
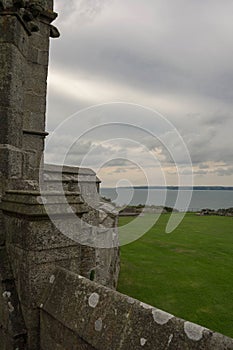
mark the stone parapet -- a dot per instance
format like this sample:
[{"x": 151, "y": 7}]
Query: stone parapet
[
  {"x": 99, "y": 235},
  {"x": 71, "y": 178},
  {"x": 79, "y": 314}
]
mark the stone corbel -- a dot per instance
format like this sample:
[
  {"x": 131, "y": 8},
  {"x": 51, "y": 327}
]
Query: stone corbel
[
  {"x": 30, "y": 13},
  {"x": 54, "y": 32}
]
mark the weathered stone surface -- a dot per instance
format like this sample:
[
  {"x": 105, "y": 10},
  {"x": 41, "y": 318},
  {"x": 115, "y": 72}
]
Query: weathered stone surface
[
  {"x": 34, "y": 103},
  {"x": 43, "y": 234},
  {"x": 30, "y": 14},
  {"x": 88, "y": 262},
  {"x": 77, "y": 313},
  {"x": 109, "y": 320},
  {"x": 12, "y": 77},
  {"x": 56, "y": 333},
  {"x": 32, "y": 270},
  {"x": 84, "y": 178},
  {"x": 36, "y": 83},
  {"x": 11, "y": 320},
  {"x": 2, "y": 230},
  {"x": 11, "y": 162},
  {"x": 31, "y": 165},
  {"x": 5, "y": 269},
  {"x": 33, "y": 149},
  {"x": 32, "y": 204},
  {"x": 36, "y": 245},
  {"x": 108, "y": 266},
  {"x": 12, "y": 32},
  {"x": 11, "y": 122},
  {"x": 23, "y": 82},
  {"x": 22, "y": 89},
  {"x": 101, "y": 218},
  {"x": 40, "y": 40},
  {"x": 35, "y": 144}
]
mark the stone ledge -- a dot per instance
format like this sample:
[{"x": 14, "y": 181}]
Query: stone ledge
[
  {"x": 34, "y": 203},
  {"x": 108, "y": 320},
  {"x": 62, "y": 176},
  {"x": 36, "y": 133},
  {"x": 27, "y": 196},
  {"x": 68, "y": 170}
]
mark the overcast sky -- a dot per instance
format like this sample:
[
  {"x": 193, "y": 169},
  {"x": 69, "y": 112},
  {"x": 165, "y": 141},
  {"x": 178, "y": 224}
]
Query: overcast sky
[{"x": 174, "y": 57}]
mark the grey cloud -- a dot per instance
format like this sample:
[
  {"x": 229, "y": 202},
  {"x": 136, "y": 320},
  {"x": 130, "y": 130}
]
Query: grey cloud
[
  {"x": 120, "y": 163},
  {"x": 119, "y": 171},
  {"x": 195, "y": 172},
  {"x": 219, "y": 119},
  {"x": 66, "y": 10},
  {"x": 82, "y": 9},
  {"x": 59, "y": 108},
  {"x": 203, "y": 166},
  {"x": 161, "y": 58},
  {"x": 224, "y": 171},
  {"x": 180, "y": 50}
]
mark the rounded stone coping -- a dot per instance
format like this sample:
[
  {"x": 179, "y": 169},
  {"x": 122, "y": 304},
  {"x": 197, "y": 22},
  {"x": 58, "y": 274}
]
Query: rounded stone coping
[{"x": 109, "y": 320}]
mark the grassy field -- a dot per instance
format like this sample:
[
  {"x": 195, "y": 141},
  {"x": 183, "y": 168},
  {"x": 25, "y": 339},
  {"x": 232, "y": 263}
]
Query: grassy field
[{"x": 188, "y": 273}]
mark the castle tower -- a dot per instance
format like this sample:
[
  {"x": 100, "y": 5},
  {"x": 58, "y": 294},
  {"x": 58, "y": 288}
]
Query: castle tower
[
  {"x": 25, "y": 29},
  {"x": 24, "y": 50},
  {"x": 32, "y": 245}
]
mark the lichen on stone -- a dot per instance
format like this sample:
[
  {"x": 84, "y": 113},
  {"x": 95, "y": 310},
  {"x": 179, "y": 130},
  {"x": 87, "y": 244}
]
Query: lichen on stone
[
  {"x": 98, "y": 325},
  {"x": 161, "y": 317},
  {"x": 93, "y": 300},
  {"x": 193, "y": 331}
]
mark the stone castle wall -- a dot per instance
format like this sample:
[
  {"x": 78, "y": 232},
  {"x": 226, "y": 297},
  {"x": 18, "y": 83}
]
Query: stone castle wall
[
  {"x": 36, "y": 238},
  {"x": 59, "y": 254},
  {"x": 97, "y": 318}
]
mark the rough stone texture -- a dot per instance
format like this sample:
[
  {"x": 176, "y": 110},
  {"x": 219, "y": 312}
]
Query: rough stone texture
[
  {"x": 23, "y": 83},
  {"x": 73, "y": 178},
  {"x": 11, "y": 162},
  {"x": 40, "y": 228},
  {"x": 42, "y": 204},
  {"x": 103, "y": 262},
  {"x": 60, "y": 223},
  {"x": 56, "y": 335},
  {"x": 76, "y": 308},
  {"x": 36, "y": 246},
  {"x": 12, "y": 327},
  {"x": 23, "y": 75}
]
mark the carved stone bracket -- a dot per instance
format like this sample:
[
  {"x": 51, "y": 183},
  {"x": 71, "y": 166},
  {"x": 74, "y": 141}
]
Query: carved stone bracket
[{"x": 30, "y": 13}]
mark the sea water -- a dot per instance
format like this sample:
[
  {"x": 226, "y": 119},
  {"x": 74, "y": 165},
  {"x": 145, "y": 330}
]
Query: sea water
[{"x": 182, "y": 200}]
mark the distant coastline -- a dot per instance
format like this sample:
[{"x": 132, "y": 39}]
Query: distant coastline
[
  {"x": 212, "y": 197},
  {"x": 183, "y": 188}
]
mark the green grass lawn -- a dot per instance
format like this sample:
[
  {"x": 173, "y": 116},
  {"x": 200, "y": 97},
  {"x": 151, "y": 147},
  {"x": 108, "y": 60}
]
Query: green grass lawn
[{"x": 188, "y": 273}]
